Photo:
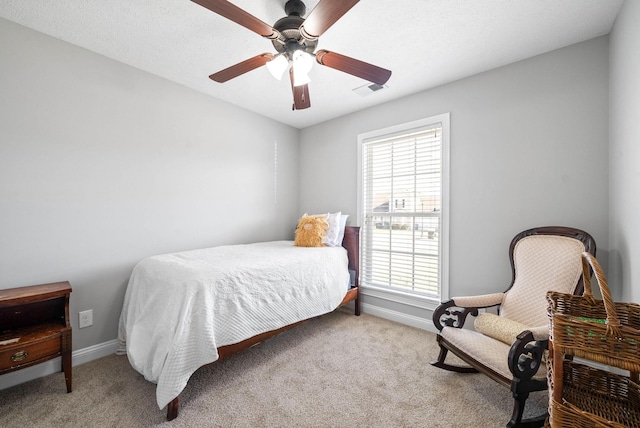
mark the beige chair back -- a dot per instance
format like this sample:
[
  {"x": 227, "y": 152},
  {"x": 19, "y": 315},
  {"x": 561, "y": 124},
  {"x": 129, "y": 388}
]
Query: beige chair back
[{"x": 542, "y": 263}]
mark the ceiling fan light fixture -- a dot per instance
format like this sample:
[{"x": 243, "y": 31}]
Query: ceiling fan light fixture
[
  {"x": 277, "y": 66},
  {"x": 302, "y": 61},
  {"x": 300, "y": 78}
]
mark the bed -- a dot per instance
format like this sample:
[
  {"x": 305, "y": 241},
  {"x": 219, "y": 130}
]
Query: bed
[{"x": 174, "y": 321}]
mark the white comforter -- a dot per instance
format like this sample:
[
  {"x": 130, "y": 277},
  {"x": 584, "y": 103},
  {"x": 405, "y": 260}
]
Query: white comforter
[{"x": 180, "y": 307}]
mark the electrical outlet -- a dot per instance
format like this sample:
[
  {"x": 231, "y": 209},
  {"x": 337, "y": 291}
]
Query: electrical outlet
[{"x": 85, "y": 318}]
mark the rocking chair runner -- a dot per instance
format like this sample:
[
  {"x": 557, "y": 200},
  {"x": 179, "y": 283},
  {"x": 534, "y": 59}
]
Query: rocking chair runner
[{"x": 542, "y": 259}]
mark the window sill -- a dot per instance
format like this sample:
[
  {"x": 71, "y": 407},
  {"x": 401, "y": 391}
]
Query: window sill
[{"x": 396, "y": 296}]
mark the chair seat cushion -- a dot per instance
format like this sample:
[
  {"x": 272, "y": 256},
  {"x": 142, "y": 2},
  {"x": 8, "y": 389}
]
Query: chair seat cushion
[{"x": 487, "y": 351}]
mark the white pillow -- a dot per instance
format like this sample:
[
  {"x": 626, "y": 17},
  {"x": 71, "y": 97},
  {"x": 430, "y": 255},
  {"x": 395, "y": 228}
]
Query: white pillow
[
  {"x": 343, "y": 224},
  {"x": 333, "y": 230}
]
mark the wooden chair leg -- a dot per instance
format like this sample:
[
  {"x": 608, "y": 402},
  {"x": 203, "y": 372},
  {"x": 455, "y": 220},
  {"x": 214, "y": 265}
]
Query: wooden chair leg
[
  {"x": 441, "y": 357},
  {"x": 442, "y": 365},
  {"x": 519, "y": 400}
]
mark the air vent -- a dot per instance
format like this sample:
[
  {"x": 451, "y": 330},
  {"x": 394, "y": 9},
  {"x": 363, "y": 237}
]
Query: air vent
[{"x": 369, "y": 89}]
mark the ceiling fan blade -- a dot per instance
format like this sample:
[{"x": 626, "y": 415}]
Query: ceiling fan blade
[
  {"x": 323, "y": 16},
  {"x": 353, "y": 66},
  {"x": 241, "y": 67},
  {"x": 301, "y": 98},
  {"x": 239, "y": 16}
]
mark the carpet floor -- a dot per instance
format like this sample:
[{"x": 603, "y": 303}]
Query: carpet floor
[{"x": 337, "y": 370}]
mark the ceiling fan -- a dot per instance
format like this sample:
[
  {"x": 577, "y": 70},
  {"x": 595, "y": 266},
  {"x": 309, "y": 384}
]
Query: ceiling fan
[{"x": 295, "y": 39}]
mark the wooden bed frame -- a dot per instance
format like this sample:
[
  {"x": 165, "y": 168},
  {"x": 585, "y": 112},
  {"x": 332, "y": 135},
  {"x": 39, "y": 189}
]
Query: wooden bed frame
[{"x": 351, "y": 243}]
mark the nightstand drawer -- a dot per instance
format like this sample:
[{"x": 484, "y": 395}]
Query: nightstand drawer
[{"x": 18, "y": 355}]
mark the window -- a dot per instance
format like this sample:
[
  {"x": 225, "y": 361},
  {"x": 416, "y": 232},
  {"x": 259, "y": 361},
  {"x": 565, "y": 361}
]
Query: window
[{"x": 403, "y": 201}]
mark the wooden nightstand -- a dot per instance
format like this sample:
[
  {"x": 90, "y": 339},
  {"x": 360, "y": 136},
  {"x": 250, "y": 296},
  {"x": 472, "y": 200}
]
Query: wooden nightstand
[{"x": 34, "y": 327}]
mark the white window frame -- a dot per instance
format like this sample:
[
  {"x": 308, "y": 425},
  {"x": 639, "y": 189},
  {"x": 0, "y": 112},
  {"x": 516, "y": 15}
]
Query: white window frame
[{"x": 397, "y": 296}]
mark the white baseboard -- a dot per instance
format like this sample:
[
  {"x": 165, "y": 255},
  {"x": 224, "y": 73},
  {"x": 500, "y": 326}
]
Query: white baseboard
[
  {"x": 400, "y": 317},
  {"x": 78, "y": 357}
]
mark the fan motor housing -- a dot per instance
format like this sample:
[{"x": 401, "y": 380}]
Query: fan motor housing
[
  {"x": 295, "y": 7},
  {"x": 289, "y": 28}
]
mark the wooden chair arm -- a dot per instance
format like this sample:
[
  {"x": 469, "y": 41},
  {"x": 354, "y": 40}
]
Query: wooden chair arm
[
  {"x": 540, "y": 333},
  {"x": 525, "y": 355},
  {"x": 454, "y": 312},
  {"x": 447, "y": 314}
]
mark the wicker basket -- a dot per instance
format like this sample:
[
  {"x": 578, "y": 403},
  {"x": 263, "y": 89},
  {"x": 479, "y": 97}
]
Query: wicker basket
[{"x": 601, "y": 331}]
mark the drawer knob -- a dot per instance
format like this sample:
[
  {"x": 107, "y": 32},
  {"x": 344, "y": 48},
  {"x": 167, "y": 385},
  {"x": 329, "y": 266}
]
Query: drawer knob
[{"x": 19, "y": 356}]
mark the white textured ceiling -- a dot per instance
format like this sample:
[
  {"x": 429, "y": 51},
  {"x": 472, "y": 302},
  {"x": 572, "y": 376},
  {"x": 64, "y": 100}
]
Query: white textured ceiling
[{"x": 425, "y": 43}]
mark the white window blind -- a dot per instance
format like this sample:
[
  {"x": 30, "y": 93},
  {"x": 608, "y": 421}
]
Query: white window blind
[{"x": 402, "y": 210}]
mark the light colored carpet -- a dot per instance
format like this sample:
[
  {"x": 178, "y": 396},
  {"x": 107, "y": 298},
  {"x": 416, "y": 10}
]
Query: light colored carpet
[{"x": 338, "y": 370}]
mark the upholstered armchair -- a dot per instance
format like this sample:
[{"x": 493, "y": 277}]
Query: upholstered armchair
[{"x": 510, "y": 347}]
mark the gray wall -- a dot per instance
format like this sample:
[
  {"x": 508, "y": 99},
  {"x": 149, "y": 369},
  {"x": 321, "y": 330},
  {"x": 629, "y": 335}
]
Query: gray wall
[
  {"x": 102, "y": 164},
  {"x": 528, "y": 148},
  {"x": 624, "y": 137}
]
